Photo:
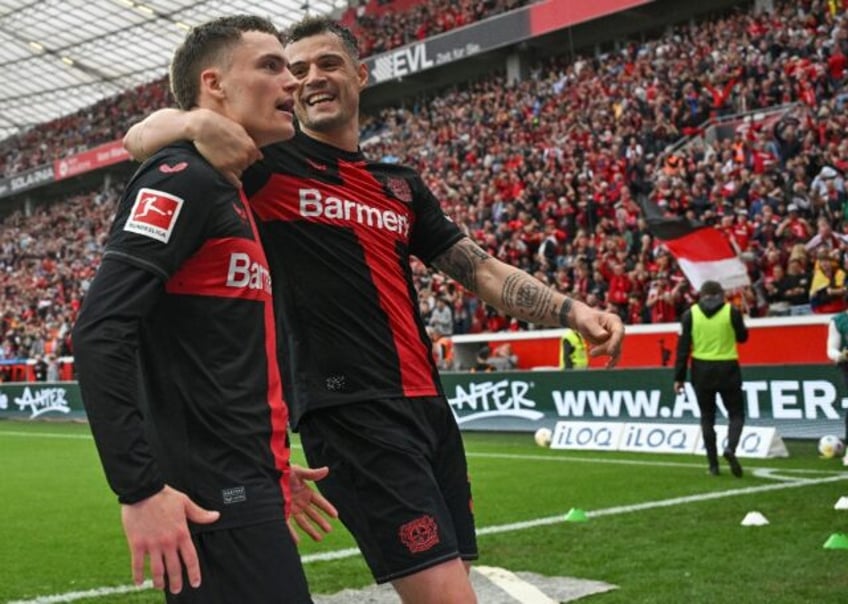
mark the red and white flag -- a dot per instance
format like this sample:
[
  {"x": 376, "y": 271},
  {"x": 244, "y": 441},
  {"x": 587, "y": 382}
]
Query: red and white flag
[{"x": 702, "y": 252}]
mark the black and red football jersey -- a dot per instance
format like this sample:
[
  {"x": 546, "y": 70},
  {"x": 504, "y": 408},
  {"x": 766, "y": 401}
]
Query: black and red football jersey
[
  {"x": 209, "y": 378},
  {"x": 338, "y": 231}
]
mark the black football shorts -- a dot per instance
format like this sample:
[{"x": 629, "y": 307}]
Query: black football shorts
[
  {"x": 254, "y": 564},
  {"x": 399, "y": 479}
]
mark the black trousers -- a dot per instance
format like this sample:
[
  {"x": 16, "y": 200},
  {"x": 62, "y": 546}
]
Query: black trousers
[{"x": 710, "y": 378}]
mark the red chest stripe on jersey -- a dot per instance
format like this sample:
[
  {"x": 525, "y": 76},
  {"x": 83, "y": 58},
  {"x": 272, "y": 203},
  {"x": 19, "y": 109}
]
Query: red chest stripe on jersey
[
  {"x": 279, "y": 410},
  {"x": 380, "y": 224},
  {"x": 360, "y": 202},
  {"x": 235, "y": 267},
  {"x": 231, "y": 267}
]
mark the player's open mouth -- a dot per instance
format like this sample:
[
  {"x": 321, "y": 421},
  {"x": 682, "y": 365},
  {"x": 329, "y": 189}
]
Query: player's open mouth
[
  {"x": 287, "y": 106},
  {"x": 319, "y": 98}
]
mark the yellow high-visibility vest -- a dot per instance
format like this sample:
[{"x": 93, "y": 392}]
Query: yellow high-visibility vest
[
  {"x": 579, "y": 357},
  {"x": 713, "y": 338}
]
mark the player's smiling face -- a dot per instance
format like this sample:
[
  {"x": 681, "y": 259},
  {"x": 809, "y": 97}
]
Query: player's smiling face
[{"x": 330, "y": 80}]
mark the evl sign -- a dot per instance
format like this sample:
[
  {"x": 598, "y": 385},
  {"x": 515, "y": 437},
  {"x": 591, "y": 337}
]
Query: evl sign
[{"x": 402, "y": 62}]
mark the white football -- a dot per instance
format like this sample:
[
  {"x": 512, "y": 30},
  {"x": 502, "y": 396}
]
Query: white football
[
  {"x": 830, "y": 446},
  {"x": 543, "y": 437}
]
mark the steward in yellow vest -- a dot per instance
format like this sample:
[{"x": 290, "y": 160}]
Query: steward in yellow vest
[
  {"x": 572, "y": 351},
  {"x": 710, "y": 330}
]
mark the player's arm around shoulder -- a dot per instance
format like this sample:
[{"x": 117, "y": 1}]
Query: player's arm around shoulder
[{"x": 222, "y": 141}]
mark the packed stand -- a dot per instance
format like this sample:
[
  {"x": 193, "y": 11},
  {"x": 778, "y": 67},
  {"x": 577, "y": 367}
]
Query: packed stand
[
  {"x": 47, "y": 261},
  {"x": 546, "y": 174},
  {"x": 381, "y": 26},
  {"x": 95, "y": 125}
]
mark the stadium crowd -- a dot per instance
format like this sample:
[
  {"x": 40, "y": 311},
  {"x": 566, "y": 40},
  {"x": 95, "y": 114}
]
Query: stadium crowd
[
  {"x": 100, "y": 123},
  {"x": 549, "y": 173},
  {"x": 382, "y": 26},
  {"x": 379, "y": 24},
  {"x": 47, "y": 261}
]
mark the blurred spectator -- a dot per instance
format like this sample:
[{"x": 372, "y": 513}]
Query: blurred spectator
[
  {"x": 502, "y": 358},
  {"x": 52, "y": 374},
  {"x": 827, "y": 288},
  {"x": 441, "y": 317},
  {"x": 788, "y": 292},
  {"x": 825, "y": 238},
  {"x": 442, "y": 347},
  {"x": 481, "y": 360},
  {"x": 39, "y": 369}
]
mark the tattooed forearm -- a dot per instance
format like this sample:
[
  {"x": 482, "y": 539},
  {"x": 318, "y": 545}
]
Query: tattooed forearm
[
  {"x": 461, "y": 262},
  {"x": 517, "y": 294},
  {"x": 526, "y": 298},
  {"x": 564, "y": 310}
]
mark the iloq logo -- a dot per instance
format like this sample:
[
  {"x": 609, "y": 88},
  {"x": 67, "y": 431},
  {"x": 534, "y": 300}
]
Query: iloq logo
[
  {"x": 595, "y": 436},
  {"x": 666, "y": 438}
]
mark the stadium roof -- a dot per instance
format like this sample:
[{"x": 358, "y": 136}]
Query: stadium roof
[{"x": 58, "y": 56}]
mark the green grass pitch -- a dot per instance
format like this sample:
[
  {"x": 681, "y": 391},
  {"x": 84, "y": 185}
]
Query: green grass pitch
[{"x": 659, "y": 528}]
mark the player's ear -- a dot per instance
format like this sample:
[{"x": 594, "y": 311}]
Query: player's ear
[
  {"x": 211, "y": 83},
  {"x": 362, "y": 75}
]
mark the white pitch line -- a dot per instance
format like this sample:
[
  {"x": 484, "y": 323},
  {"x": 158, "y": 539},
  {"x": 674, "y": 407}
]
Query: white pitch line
[
  {"x": 46, "y": 435},
  {"x": 98, "y": 592},
  {"x": 561, "y": 459},
  {"x": 518, "y": 526},
  {"x": 522, "y": 591},
  {"x": 631, "y": 462},
  {"x": 489, "y": 530},
  {"x": 326, "y": 556}
]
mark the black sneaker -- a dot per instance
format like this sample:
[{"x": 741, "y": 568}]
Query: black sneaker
[
  {"x": 735, "y": 468},
  {"x": 713, "y": 471}
]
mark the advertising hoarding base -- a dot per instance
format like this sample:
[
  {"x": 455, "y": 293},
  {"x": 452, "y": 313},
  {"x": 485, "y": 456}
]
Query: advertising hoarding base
[{"x": 756, "y": 442}]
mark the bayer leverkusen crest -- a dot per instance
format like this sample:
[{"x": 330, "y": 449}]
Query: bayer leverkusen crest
[
  {"x": 399, "y": 189},
  {"x": 420, "y": 534}
]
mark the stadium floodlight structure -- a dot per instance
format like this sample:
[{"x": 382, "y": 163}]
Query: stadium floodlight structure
[{"x": 58, "y": 56}]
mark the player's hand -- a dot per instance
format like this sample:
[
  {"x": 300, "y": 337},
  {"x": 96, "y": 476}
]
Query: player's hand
[
  {"x": 157, "y": 528},
  {"x": 309, "y": 509},
  {"x": 604, "y": 331},
  {"x": 678, "y": 387},
  {"x": 224, "y": 143}
]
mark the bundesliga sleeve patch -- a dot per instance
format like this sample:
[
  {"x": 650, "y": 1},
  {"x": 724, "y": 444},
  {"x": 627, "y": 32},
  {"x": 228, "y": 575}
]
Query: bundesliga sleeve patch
[{"x": 154, "y": 214}]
